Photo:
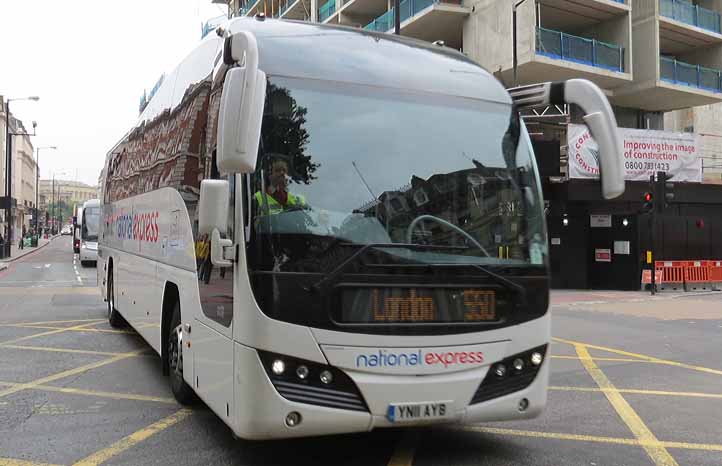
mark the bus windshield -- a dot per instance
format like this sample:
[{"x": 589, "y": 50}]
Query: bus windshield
[
  {"x": 91, "y": 222},
  {"x": 413, "y": 179}
]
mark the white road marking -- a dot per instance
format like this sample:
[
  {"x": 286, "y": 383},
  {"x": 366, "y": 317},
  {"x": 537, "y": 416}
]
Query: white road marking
[{"x": 77, "y": 274}]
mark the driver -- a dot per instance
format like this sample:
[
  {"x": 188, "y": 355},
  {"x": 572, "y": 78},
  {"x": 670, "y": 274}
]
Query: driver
[{"x": 277, "y": 195}]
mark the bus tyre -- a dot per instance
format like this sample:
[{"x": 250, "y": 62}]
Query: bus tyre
[
  {"x": 182, "y": 392},
  {"x": 114, "y": 318}
]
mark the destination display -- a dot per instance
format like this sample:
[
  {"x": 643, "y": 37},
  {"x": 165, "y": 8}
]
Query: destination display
[{"x": 417, "y": 305}]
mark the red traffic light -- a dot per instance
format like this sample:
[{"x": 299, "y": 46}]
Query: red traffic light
[{"x": 647, "y": 197}]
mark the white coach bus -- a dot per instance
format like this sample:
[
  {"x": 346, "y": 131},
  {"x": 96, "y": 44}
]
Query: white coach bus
[
  {"x": 88, "y": 232},
  {"x": 324, "y": 230}
]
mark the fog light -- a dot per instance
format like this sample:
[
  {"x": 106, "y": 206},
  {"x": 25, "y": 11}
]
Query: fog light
[
  {"x": 302, "y": 372},
  {"x": 500, "y": 370},
  {"x": 278, "y": 367},
  {"x": 326, "y": 377},
  {"x": 536, "y": 358},
  {"x": 523, "y": 404},
  {"x": 518, "y": 364},
  {"x": 293, "y": 419}
]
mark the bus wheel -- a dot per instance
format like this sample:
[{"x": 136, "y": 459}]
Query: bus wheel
[
  {"x": 114, "y": 317},
  {"x": 182, "y": 392}
]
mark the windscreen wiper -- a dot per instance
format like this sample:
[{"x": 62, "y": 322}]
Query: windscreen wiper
[
  {"x": 332, "y": 275},
  {"x": 510, "y": 284}
]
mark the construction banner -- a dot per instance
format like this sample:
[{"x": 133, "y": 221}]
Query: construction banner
[{"x": 644, "y": 153}]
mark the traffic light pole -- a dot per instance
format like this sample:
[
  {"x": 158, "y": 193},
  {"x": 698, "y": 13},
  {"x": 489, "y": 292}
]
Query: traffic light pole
[{"x": 652, "y": 230}]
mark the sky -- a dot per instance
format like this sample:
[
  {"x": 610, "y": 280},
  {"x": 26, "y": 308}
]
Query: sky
[{"x": 89, "y": 62}]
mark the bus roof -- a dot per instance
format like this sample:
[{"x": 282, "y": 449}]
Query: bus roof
[
  {"x": 91, "y": 203},
  {"x": 339, "y": 53}
]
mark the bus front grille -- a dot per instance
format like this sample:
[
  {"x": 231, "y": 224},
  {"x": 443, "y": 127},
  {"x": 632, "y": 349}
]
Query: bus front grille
[{"x": 308, "y": 394}]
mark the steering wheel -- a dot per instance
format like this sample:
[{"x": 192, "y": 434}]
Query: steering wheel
[{"x": 441, "y": 221}]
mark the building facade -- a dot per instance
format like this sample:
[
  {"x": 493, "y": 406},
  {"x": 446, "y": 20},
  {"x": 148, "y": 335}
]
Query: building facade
[
  {"x": 654, "y": 59},
  {"x": 24, "y": 172},
  {"x": 24, "y": 179},
  {"x": 65, "y": 191}
]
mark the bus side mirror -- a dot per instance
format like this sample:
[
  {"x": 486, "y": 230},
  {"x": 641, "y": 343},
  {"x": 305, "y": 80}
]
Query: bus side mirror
[
  {"x": 599, "y": 118},
  {"x": 241, "y": 108},
  {"x": 213, "y": 219}
]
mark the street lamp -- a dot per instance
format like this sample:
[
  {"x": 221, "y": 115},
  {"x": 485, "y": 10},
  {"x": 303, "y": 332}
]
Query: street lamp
[
  {"x": 37, "y": 183},
  {"x": 61, "y": 172},
  {"x": 8, "y": 170}
]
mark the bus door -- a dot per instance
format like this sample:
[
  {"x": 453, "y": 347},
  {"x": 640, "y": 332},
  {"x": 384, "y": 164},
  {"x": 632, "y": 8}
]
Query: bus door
[{"x": 213, "y": 332}]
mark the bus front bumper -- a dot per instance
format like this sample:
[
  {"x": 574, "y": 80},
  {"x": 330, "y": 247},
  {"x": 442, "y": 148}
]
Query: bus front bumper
[{"x": 262, "y": 413}]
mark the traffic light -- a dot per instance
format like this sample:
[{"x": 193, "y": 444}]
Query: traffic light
[
  {"x": 665, "y": 190},
  {"x": 648, "y": 199}
]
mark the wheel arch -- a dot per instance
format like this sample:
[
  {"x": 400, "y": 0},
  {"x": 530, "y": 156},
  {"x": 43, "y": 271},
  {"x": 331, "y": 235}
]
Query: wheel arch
[{"x": 170, "y": 297}]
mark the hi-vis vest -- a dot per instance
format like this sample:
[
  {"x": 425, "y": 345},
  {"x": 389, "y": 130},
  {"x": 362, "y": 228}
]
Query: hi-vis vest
[{"x": 275, "y": 207}]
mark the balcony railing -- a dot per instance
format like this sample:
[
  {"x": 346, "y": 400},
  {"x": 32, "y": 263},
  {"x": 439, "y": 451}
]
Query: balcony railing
[
  {"x": 592, "y": 52},
  {"x": 326, "y": 10},
  {"x": 408, "y": 8},
  {"x": 678, "y": 72},
  {"x": 688, "y": 13}
]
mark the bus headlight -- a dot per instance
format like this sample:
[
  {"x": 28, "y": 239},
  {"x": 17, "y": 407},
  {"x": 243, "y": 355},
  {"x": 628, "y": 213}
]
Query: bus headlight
[
  {"x": 518, "y": 364},
  {"x": 536, "y": 358},
  {"x": 330, "y": 387},
  {"x": 278, "y": 367}
]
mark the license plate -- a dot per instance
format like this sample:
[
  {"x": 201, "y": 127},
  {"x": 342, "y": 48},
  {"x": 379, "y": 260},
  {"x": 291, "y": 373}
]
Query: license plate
[{"x": 409, "y": 412}]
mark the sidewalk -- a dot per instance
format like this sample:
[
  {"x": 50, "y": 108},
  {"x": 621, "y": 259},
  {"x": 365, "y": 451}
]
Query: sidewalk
[
  {"x": 16, "y": 253},
  {"x": 665, "y": 305}
]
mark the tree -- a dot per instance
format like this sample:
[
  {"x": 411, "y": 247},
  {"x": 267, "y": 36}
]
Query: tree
[{"x": 284, "y": 135}]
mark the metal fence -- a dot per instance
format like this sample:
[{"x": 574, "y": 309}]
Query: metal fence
[
  {"x": 557, "y": 44},
  {"x": 407, "y": 8},
  {"x": 679, "y": 72},
  {"x": 689, "y": 13}
]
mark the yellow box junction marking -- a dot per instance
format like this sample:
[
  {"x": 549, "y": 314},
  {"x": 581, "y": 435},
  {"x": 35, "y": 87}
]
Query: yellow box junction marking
[
  {"x": 67, "y": 350},
  {"x": 590, "y": 438},
  {"x": 98, "y": 393},
  {"x": 404, "y": 452},
  {"x": 71, "y": 329},
  {"x": 14, "y": 462},
  {"x": 50, "y": 332},
  {"x": 659, "y": 455},
  {"x": 576, "y": 358},
  {"x": 60, "y": 375},
  {"x": 641, "y": 392},
  {"x": 52, "y": 322},
  {"x": 120, "y": 446},
  {"x": 48, "y": 290},
  {"x": 643, "y": 357}
]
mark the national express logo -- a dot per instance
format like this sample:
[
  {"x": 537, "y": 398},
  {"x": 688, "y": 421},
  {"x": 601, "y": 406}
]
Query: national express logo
[
  {"x": 586, "y": 153},
  {"x": 383, "y": 358},
  {"x": 142, "y": 226}
]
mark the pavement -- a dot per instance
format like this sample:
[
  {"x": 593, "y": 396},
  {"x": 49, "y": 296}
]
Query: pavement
[
  {"x": 16, "y": 253},
  {"x": 627, "y": 387}
]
